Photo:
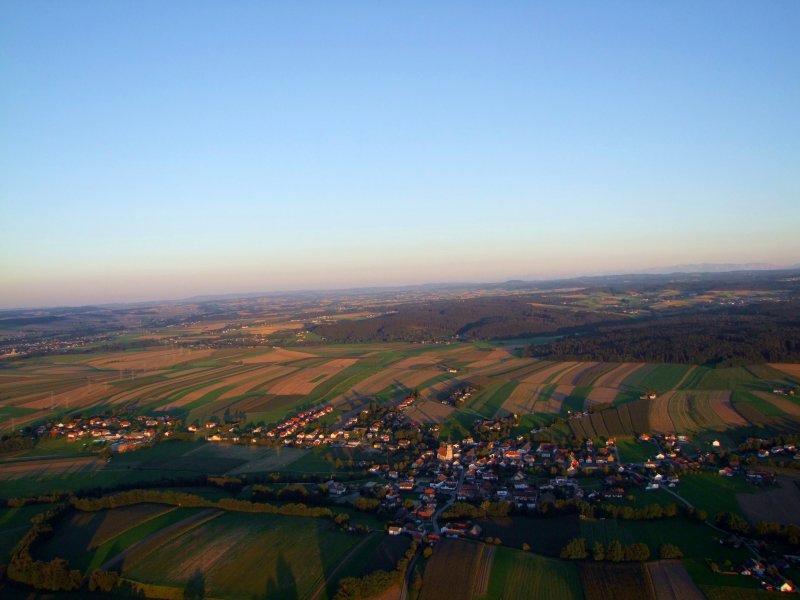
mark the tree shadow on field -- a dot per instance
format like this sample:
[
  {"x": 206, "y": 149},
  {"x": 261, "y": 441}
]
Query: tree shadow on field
[
  {"x": 196, "y": 586},
  {"x": 284, "y": 585}
]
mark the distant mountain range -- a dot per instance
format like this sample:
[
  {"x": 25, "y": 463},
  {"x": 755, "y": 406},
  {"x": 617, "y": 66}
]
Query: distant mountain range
[{"x": 714, "y": 268}]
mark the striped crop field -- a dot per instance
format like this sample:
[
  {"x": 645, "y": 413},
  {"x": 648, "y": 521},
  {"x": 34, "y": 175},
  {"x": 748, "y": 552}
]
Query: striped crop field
[{"x": 266, "y": 383}]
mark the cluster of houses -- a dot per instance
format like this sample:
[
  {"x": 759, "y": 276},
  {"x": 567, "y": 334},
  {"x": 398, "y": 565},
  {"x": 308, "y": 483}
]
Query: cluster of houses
[
  {"x": 291, "y": 430},
  {"x": 123, "y": 433},
  {"x": 769, "y": 575},
  {"x": 299, "y": 422},
  {"x": 458, "y": 395},
  {"x": 37, "y": 346},
  {"x": 481, "y": 471}
]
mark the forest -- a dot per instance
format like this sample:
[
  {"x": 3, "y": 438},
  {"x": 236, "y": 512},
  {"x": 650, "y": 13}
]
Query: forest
[
  {"x": 470, "y": 319},
  {"x": 728, "y": 336}
]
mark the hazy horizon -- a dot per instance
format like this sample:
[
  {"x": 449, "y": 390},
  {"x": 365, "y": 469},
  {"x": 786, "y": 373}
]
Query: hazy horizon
[
  {"x": 181, "y": 295},
  {"x": 163, "y": 152}
]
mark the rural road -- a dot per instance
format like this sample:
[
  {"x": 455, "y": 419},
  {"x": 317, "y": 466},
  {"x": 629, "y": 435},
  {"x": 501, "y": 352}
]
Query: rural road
[{"x": 409, "y": 573}]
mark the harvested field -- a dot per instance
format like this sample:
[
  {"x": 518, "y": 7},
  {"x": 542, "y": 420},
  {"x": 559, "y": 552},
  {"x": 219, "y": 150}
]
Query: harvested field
[
  {"x": 132, "y": 555},
  {"x": 203, "y": 391},
  {"x": 148, "y": 360},
  {"x": 512, "y": 368},
  {"x": 721, "y": 405},
  {"x": 262, "y": 376},
  {"x": 602, "y": 581},
  {"x": 277, "y": 355},
  {"x": 427, "y": 360},
  {"x": 522, "y": 399},
  {"x": 612, "y": 421},
  {"x": 52, "y": 466},
  {"x": 671, "y": 581},
  {"x": 680, "y": 412},
  {"x": 588, "y": 376},
  {"x": 303, "y": 381},
  {"x": 268, "y": 329},
  {"x": 556, "y": 399},
  {"x": 659, "y": 416},
  {"x": 600, "y": 395},
  {"x": 162, "y": 388},
  {"x": 566, "y": 376},
  {"x": 779, "y": 505},
  {"x": 545, "y": 375},
  {"x": 117, "y": 520},
  {"x": 452, "y": 571},
  {"x": 616, "y": 377},
  {"x": 408, "y": 378},
  {"x": 584, "y": 370},
  {"x": 785, "y": 404},
  {"x": 625, "y": 419},
  {"x": 261, "y": 403},
  {"x": 429, "y": 411},
  {"x": 256, "y": 459},
  {"x": 484, "y": 571},
  {"x": 482, "y": 359},
  {"x": 792, "y": 370},
  {"x": 249, "y": 555}
]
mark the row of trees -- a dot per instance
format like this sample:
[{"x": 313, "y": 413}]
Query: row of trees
[
  {"x": 190, "y": 500},
  {"x": 779, "y": 531},
  {"x": 486, "y": 509},
  {"x": 615, "y": 551},
  {"x": 15, "y": 443},
  {"x": 53, "y": 575}
]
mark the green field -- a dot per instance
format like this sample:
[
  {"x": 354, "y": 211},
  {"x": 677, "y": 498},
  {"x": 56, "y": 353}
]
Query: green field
[
  {"x": 544, "y": 535},
  {"x": 14, "y": 523},
  {"x": 695, "y": 539},
  {"x": 632, "y": 450},
  {"x": 246, "y": 555},
  {"x": 489, "y": 401},
  {"x": 713, "y": 493},
  {"x": 517, "y": 575}
]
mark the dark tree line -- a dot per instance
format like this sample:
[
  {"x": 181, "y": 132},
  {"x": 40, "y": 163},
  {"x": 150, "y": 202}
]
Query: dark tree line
[
  {"x": 476, "y": 318},
  {"x": 725, "y": 337}
]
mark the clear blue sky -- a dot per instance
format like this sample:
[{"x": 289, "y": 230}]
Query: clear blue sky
[{"x": 163, "y": 149}]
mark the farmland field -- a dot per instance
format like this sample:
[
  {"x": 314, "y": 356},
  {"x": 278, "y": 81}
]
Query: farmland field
[
  {"x": 671, "y": 581},
  {"x": 453, "y": 570},
  {"x": 89, "y": 539},
  {"x": 696, "y": 540},
  {"x": 779, "y": 505},
  {"x": 619, "y": 581},
  {"x": 265, "y": 384},
  {"x": 544, "y": 536},
  {"x": 242, "y": 555},
  {"x": 519, "y": 576},
  {"x": 714, "y": 493}
]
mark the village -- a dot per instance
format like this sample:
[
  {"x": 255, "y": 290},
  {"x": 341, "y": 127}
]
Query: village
[
  {"x": 429, "y": 487},
  {"x": 118, "y": 433}
]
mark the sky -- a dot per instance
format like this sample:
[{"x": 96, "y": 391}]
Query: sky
[{"x": 159, "y": 150}]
